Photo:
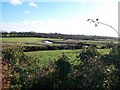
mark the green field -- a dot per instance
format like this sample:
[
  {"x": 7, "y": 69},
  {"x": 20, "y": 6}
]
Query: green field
[
  {"x": 39, "y": 40},
  {"x": 45, "y": 57},
  {"x": 26, "y": 39},
  {"x": 33, "y": 41}
]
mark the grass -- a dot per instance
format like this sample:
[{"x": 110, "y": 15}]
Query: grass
[
  {"x": 39, "y": 40},
  {"x": 45, "y": 57},
  {"x": 104, "y": 51},
  {"x": 26, "y": 39},
  {"x": 33, "y": 41}
]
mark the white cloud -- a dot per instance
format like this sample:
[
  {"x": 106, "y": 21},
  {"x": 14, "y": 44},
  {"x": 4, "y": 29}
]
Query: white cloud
[
  {"x": 77, "y": 26},
  {"x": 16, "y": 2},
  {"x": 27, "y": 12},
  {"x": 33, "y": 4}
]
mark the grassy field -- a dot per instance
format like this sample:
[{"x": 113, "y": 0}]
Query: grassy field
[
  {"x": 33, "y": 41},
  {"x": 39, "y": 40},
  {"x": 45, "y": 57},
  {"x": 26, "y": 39}
]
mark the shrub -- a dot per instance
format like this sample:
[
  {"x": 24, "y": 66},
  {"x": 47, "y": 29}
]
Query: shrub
[
  {"x": 22, "y": 69},
  {"x": 91, "y": 70},
  {"x": 88, "y": 73},
  {"x": 56, "y": 75}
]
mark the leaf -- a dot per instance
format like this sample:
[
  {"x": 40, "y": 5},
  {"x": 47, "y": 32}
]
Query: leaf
[
  {"x": 96, "y": 25},
  {"x": 97, "y": 19},
  {"x": 88, "y": 20}
]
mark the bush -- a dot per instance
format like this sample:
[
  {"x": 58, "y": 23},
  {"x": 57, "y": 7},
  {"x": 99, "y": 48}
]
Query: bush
[
  {"x": 56, "y": 75},
  {"x": 90, "y": 72},
  {"x": 22, "y": 69}
]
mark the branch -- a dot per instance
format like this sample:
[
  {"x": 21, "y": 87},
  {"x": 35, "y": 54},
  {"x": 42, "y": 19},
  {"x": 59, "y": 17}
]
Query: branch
[
  {"x": 96, "y": 23},
  {"x": 109, "y": 26}
]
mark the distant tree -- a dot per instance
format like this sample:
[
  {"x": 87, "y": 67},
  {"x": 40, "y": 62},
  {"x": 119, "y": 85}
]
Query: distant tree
[{"x": 4, "y": 33}]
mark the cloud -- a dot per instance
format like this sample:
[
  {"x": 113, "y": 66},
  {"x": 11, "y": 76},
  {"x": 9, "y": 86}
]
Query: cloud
[
  {"x": 27, "y": 12},
  {"x": 33, "y": 4},
  {"x": 76, "y": 26},
  {"x": 15, "y": 2},
  {"x": 19, "y": 2}
]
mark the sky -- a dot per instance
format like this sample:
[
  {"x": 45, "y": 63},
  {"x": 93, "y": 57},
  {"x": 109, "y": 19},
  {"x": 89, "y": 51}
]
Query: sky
[{"x": 59, "y": 16}]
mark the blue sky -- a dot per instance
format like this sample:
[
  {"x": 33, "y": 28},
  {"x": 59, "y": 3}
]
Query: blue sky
[
  {"x": 62, "y": 17},
  {"x": 46, "y": 10}
]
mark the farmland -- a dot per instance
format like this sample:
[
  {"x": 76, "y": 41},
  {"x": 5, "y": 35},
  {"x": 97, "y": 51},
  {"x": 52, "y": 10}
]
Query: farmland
[
  {"x": 39, "y": 40},
  {"x": 49, "y": 55},
  {"x": 45, "y": 57},
  {"x": 70, "y": 43},
  {"x": 64, "y": 63},
  {"x": 25, "y": 40}
]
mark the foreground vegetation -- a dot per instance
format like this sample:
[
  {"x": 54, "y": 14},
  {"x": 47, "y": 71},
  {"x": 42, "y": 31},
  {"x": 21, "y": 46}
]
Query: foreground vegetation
[{"x": 83, "y": 69}]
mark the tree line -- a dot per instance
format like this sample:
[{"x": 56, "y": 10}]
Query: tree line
[{"x": 52, "y": 35}]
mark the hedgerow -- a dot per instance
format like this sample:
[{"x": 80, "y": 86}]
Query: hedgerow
[
  {"x": 19, "y": 68},
  {"x": 90, "y": 70}
]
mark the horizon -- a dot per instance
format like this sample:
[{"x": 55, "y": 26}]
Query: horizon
[
  {"x": 60, "y": 17},
  {"x": 59, "y": 33}
]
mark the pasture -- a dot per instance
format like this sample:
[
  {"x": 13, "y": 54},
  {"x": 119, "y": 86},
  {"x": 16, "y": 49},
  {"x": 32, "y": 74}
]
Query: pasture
[
  {"x": 34, "y": 41},
  {"x": 46, "y": 57},
  {"x": 39, "y": 40},
  {"x": 25, "y": 40}
]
